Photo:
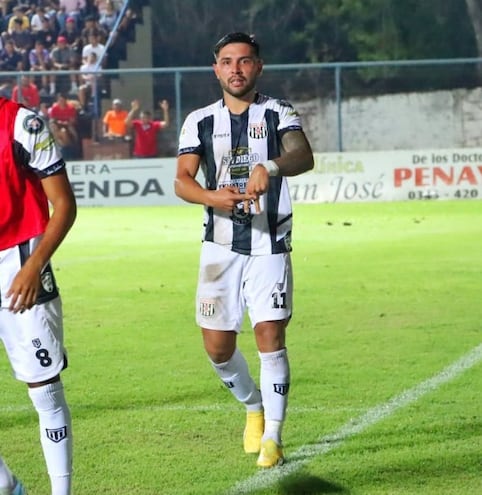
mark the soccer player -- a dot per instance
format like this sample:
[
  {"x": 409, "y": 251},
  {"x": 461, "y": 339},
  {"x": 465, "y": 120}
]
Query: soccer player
[
  {"x": 246, "y": 144},
  {"x": 33, "y": 175},
  {"x": 146, "y": 129}
]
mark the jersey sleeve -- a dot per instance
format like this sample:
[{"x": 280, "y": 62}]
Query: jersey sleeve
[
  {"x": 34, "y": 145},
  {"x": 290, "y": 119},
  {"x": 189, "y": 141}
]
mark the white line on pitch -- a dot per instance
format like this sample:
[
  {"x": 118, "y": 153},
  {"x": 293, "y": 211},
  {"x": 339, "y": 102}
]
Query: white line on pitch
[{"x": 268, "y": 478}]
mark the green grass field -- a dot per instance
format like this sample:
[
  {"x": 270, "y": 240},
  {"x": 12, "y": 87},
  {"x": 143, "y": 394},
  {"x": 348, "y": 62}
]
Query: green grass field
[{"x": 387, "y": 296}]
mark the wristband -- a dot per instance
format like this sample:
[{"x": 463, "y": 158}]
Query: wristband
[{"x": 271, "y": 167}]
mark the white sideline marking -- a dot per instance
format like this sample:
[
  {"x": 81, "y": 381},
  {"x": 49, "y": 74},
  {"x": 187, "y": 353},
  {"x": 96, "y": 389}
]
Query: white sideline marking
[{"x": 268, "y": 478}]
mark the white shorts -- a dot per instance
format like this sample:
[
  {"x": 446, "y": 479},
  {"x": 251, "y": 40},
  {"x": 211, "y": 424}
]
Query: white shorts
[
  {"x": 34, "y": 341},
  {"x": 229, "y": 283}
]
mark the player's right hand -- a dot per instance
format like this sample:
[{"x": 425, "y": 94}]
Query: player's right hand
[{"x": 226, "y": 198}]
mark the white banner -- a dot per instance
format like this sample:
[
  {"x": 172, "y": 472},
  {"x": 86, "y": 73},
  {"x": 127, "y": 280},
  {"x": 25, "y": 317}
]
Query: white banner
[
  {"x": 391, "y": 176},
  {"x": 336, "y": 177},
  {"x": 124, "y": 182}
]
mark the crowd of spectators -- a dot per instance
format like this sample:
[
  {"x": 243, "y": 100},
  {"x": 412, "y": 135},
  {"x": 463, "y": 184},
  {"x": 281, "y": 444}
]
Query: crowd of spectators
[{"x": 43, "y": 37}]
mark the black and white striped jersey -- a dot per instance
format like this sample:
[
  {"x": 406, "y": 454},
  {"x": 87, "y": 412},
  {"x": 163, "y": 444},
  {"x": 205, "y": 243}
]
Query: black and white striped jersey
[{"x": 230, "y": 146}]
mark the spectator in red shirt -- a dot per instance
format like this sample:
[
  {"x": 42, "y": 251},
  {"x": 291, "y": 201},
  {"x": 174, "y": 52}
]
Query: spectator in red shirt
[
  {"x": 146, "y": 129},
  {"x": 63, "y": 124},
  {"x": 27, "y": 93}
]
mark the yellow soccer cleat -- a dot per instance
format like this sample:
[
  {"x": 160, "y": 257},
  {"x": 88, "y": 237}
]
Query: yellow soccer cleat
[
  {"x": 271, "y": 455},
  {"x": 253, "y": 431}
]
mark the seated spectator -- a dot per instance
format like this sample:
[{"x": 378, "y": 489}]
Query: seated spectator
[
  {"x": 90, "y": 10},
  {"x": 18, "y": 18},
  {"x": 89, "y": 81},
  {"x": 72, "y": 34},
  {"x": 63, "y": 124},
  {"x": 39, "y": 60},
  {"x": 21, "y": 37},
  {"x": 46, "y": 34},
  {"x": 146, "y": 129},
  {"x": 27, "y": 93},
  {"x": 63, "y": 58},
  {"x": 11, "y": 60},
  {"x": 91, "y": 24},
  {"x": 108, "y": 16},
  {"x": 115, "y": 121},
  {"x": 37, "y": 18},
  {"x": 94, "y": 45}
]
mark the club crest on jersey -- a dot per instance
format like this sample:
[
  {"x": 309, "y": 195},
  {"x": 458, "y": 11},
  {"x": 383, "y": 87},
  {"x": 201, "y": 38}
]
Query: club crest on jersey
[
  {"x": 258, "y": 131},
  {"x": 206, "y": 308},
  {"x": 47, "y": 282},
  {"x": 33, "y": 124},
  {"x": 36, "y": 343},
  {"x": 281, "y": 388},
  {"x": 57, "y": 434},
  {"x": 240, "y": 217}
]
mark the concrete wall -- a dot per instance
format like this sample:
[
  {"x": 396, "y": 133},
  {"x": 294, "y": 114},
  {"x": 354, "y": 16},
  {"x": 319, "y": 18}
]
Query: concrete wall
[{"x": 441, "y": 119}]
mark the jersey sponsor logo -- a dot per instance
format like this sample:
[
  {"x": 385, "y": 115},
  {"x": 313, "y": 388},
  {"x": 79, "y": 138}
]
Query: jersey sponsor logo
[
  {"x": 240, "y": 217},
  {"x": 57, "y": 434},
  {"x": 281, "y": 388},
  {"x": 206, "y": 308},
  {"x": 258, "y": 131},
  {"x": 33, "y": 124}
]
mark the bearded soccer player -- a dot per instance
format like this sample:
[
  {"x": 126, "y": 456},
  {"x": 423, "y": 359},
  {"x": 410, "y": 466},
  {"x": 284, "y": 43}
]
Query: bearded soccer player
[
  {"x": 33, "y": 174},
  {"x": 246, "y": 144}
]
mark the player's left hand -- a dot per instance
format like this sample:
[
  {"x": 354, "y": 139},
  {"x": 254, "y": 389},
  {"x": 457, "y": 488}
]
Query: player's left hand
[{"x": 257, "y": 185}]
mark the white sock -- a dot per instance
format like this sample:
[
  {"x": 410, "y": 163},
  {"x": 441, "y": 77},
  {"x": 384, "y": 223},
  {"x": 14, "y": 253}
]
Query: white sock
[
  {"x": 235, "y": 375},
  {"x": 55, "y": 434},
  {"x": 275, "y": 383},
  {"x": 6, "y": 478}
]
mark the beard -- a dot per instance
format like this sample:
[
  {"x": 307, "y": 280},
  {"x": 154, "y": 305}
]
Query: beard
[{"x": 239, "y": 92}]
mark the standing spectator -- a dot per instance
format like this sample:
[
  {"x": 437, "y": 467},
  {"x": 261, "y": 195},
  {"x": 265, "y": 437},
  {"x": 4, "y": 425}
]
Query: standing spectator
[
  {"x": 63, "y": 124},
  {"x": 146, "y": 129},
  {"x": 89, "y": 81},
  {"x": 39, "y": 60},
  {"x": 27, "y": 93},
  {"x": 115, "y": 121},
  {"x": 63, "y": 58}
]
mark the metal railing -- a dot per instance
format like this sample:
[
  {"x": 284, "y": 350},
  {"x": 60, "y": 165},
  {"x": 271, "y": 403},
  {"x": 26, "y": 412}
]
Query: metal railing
[{"x": 330, "y": 83}]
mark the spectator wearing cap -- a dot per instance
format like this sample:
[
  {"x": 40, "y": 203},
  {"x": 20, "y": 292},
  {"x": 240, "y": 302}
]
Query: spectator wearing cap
[
  {"x": 72, "y": 34},
  {"x": 115, "y": 121},
  {"x": 63, "y": 58}
]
